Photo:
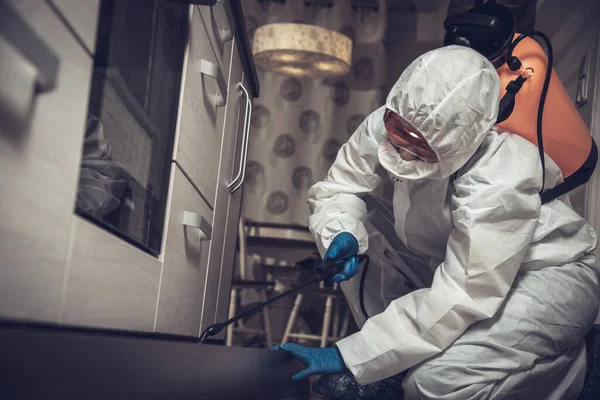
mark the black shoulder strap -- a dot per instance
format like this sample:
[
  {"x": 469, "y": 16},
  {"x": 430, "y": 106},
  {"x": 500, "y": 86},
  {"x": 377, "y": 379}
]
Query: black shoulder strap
[
  {"x": 579, "y": 177},
  {"x": 507, "y": 103}
]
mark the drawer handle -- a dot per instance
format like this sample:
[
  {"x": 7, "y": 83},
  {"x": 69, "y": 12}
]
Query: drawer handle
[
  {"x": 198, "y": 221},
  {"x": 20, "y": 35},
  {"x": 226, "y": 35},
  {"x": 245, "y": 139},
  {"x": 28, "y": 67},
  {"x": 211, "y": 69}
]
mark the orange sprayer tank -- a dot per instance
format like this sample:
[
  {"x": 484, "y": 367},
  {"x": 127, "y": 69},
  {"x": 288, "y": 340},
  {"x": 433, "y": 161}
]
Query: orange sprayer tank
[{"x": 567, "y": 139}]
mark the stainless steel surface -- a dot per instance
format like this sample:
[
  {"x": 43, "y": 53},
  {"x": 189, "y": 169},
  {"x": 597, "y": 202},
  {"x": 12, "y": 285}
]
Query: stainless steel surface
[
  {"x": 245, "y": 129},
  {"x": 246, "y": 139},
  {"x": 211, "y": 69},
  {"x": 198, "y": 221}
]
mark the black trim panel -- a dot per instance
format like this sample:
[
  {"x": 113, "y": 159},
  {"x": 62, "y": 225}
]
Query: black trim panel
[
  {"x": 241, "y": 35},
  {"x": 59, "y": 363}
]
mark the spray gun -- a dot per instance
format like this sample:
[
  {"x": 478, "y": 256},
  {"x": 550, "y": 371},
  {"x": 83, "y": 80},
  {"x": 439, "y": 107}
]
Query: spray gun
[{"x": 325, "y": 272}]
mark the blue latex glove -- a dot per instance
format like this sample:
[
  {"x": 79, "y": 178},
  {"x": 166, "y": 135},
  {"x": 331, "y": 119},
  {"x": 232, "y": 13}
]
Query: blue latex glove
[
  {"x": 321, "y": 361},
  {"x": 344, "y": 246}
]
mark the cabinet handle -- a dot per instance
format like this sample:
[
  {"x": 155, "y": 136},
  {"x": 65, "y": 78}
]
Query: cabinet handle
[
  {"x": 19, "y": 34},
  {"x": 211, "y": 69},
  {"x": 233, "y": 186},
  {"x": 249, "y": 104},
  {"x": 226, "y": 35},
  {"x": 198, "y": 221},
  {"x": 28, "y": 67}
]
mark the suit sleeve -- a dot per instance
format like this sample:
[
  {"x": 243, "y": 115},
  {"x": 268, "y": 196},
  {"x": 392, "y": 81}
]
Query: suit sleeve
[{"x": 335, "y": 203}]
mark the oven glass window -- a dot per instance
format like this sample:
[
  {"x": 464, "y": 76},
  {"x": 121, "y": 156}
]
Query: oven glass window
[{"x": 133, "y": 106}]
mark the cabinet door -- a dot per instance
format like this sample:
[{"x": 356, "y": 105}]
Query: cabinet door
[
  {"x": 82, "y": 15},
  {"x": 188, "y": 238},
  {"x": 231, "y": 230},
  {"x": 236, "y": 122},
  {"x": 220, "y": 33},
  {"x": 199, "y": 133},
  {"x": 111, "y": 284},
  {"x": 39, "y": 164}
]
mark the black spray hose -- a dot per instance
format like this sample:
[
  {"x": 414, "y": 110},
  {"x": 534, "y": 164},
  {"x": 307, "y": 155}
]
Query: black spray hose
[
  {"x": 540, "y": 116},
  {"x": 361, "y": 293}
]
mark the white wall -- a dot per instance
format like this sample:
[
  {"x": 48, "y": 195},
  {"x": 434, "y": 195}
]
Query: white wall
[{"x": 410, "y": 35}]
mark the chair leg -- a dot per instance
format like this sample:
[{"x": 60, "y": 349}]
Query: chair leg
[
  {"x": 266, "y": 320},
  {"x": 326, "y": 321},
  {"x": 336, "y": 318},
  {"x": 292, "y": 320},
  {"x": 232, "y": 309}
]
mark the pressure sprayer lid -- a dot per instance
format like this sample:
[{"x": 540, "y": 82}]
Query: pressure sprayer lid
[{"x": 488, "y": 29}]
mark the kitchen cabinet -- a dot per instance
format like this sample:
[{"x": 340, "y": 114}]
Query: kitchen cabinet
[
  {"x": 41, "y": 127},
  {"x": 229, "y": 189},
  {"x": 82, "y": 16},
  {"x": 120, "y": 200},
  {"x": 200, "y": 129}
]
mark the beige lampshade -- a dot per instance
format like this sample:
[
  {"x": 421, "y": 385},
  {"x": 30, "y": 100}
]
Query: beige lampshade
[{"x": 302, "y": 50}]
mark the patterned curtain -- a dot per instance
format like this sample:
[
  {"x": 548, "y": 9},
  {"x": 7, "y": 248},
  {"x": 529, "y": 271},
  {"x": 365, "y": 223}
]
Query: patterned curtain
[{"x": 298, "y": 125}]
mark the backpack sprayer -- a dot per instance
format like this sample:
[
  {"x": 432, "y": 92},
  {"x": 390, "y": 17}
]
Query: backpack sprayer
[{"x": 490, "y": 29}]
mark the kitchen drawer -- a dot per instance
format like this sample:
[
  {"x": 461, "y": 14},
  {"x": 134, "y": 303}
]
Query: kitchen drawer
[
  {"x": 219, "y": 32},
  {"x": 187, "y": 246},
  {"x": 110, "y": 283},
  {"x": 39, "y": 163},
  {"x": 199, "y": 132},
  {"x": 82, "y": 15}
]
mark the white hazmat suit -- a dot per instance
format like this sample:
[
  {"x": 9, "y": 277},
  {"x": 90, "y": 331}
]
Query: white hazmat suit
[{"x": 515, "y": 287}]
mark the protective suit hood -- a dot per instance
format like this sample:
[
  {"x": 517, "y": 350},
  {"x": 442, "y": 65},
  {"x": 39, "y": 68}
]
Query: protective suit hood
[{"x": 451, "y": 96}]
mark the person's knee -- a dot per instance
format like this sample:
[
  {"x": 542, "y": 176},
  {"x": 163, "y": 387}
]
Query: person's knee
[{"x": 437, "y": 381}]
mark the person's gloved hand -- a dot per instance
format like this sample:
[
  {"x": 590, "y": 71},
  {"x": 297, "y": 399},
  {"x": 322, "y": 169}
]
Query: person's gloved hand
[
  {"x": 344, "y": 246},
  {"x": 320, "y": 361}
]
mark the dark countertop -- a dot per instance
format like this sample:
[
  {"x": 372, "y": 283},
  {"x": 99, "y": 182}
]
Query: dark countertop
[{"x": 43, "y": 361}]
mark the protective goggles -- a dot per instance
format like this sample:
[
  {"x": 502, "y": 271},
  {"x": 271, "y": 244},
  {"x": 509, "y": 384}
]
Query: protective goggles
[{"x": 403, "y": 136}]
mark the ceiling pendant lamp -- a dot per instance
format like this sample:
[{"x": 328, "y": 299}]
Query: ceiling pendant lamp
[{"x": 302, "y": 50}]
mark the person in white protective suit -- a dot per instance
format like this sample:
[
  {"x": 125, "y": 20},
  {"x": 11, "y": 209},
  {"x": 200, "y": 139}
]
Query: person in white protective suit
[{"x": 515, "y": 287}]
